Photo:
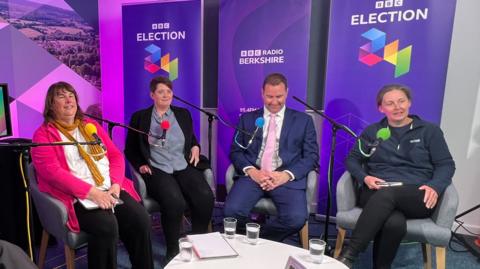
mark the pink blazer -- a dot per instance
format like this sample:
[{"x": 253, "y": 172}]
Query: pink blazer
[{"x": 54, "y": 177}]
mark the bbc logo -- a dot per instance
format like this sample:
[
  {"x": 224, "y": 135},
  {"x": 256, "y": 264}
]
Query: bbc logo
[{"x": 388, "y": 3}]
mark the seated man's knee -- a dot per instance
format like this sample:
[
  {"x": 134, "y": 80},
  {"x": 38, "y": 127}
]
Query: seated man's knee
[
  {"x": 295, "y": 221},
  {"x": 232, "y": 210}
]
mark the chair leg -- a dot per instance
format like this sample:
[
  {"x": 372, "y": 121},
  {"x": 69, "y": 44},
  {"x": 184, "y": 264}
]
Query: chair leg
[
  {"x": 43, "y": 249},
  {"x": 339, "y": 244},
  {"x": 303, "y": 234},
  {"x": 69, "y": 257},
  {"x": 427, "y": 256},
  {"x": 210, "y": 229},
  {"x": 440, "y": 253}
]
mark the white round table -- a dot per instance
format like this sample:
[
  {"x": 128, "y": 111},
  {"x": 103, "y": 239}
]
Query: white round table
[{"x": 266, "y": 254}]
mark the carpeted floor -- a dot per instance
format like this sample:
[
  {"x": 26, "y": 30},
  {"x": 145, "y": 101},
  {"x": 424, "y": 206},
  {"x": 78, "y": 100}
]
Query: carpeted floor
[{"x": 409, "y": 255}]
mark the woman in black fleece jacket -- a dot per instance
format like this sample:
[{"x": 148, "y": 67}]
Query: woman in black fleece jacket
[{"x": 415, "y": 154}]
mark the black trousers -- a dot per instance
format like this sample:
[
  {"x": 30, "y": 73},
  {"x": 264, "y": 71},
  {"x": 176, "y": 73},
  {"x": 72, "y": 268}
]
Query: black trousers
[
  {"x": 383, "y": 220},
  {"x": 175, "y": 193},
  {"x": 130, "y": 222}
]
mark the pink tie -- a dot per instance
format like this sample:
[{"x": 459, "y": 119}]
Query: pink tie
[{"x": 267, "y": 157}]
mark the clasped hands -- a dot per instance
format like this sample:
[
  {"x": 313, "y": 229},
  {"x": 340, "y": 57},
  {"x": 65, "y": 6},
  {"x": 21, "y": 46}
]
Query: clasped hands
[
  {"x": 430, "y": 198},
  {"x": 268, "y": 180},
  {"x": 194, "y": 159},
  {"x": 105, "y": 199}
]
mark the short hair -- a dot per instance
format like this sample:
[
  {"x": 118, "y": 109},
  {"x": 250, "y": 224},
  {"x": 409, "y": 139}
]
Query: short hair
[
  {"x": 390, "y": 87},
  {"x": 53, "y": 90},
  {"x": 275, "y": 79},
  {"x": 160, "y": 80}
]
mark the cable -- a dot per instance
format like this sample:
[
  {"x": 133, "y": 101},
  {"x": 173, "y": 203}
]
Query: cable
[
  {"x": 455, "y": 240},
  {"x": 238, "y": 143},
  {"x": 460, "y": 224},
  {"x": 27, "y": 201}
]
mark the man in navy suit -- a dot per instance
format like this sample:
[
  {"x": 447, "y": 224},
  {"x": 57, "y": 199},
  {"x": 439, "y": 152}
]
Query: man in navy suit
[{"x": 275, "y": 164}]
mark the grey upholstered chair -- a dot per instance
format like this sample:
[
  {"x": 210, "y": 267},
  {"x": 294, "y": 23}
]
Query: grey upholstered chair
[
  {"x": 429, "y": 231},
  {"x": 53, "y": 216},
  {"x": 266, "y": 206},
  {"x": 149, "y": 203}
]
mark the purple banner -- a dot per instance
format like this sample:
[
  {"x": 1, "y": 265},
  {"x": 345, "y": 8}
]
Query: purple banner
[
  {"x": 258, "y": 38},
  {"x": 162, "y": 39},
  {"x": 373, "y": 43}
]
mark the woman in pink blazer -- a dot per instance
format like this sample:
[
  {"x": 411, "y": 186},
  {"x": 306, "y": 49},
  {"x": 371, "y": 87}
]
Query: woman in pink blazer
[{"x": 86, "y": 176}]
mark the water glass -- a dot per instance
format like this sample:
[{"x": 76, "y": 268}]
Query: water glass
[
  {"x": 253, "y": 231},
  {"x": 230, "y": 226},
  {"x": 186, "y": 249},
  {"x": 317, "y": 249}
]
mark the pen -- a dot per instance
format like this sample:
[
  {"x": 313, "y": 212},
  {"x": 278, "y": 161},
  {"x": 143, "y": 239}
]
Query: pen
[{"x": 116, "y": 199}]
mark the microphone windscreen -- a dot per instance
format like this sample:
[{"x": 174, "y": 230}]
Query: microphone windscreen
[
  {"x": 90, "y": 128},
  {"x": 165, "y": 124},
  {"x": 384, "y": 134},
  {"x": 259, "y": 122}
]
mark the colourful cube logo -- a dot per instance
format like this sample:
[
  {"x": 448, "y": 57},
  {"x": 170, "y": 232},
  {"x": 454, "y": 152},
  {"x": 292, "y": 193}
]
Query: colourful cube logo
[
  {"x": 155, "y": 61},
  {"x": 368, "y": 52}
]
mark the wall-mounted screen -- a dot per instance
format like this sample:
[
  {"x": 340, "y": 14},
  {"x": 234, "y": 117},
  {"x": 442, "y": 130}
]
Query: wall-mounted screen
[{"x": 5, "y": 120}]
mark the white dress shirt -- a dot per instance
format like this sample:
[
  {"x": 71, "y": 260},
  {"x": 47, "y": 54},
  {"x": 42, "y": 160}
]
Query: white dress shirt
[{"x": 277, "y": 161}]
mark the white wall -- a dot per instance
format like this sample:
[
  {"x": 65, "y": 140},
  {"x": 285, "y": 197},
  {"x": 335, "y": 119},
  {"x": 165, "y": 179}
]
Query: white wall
[{"x": 461, "y": 110}]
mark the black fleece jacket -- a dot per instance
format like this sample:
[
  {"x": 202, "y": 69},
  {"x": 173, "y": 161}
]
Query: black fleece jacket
[{"x": 419, "y": 157}]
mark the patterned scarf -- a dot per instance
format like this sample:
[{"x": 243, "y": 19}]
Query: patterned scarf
[{"x": 96, "y": 151}]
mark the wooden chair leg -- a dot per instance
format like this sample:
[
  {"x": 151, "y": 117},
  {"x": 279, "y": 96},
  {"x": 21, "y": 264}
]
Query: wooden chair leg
[
  {"x": 69, "y": 257},
  {"x": 43, "y": 249},
  {"x": 303, "y": 234},
  {"x": 210, "y": 229},
  {"x": 339, "y": 244},
  {"x": 440, "y": 253},
  {"x": 427, "y": 256}
]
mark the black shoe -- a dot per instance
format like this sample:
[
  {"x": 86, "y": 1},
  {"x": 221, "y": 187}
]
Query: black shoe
[{"x": 347, "y": 257}]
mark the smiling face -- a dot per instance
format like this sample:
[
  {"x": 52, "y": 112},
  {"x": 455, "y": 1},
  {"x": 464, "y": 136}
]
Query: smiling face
[
  {"x": 396, "y": 106},
  {"x": 64, "y": 106},
  {"x": 274, "y": 97},
  {"x": 162, "y": 96}
]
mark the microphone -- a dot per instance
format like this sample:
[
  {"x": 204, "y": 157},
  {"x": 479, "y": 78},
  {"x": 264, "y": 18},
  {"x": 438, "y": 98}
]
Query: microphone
[
  {"x": 383, "y": 134},
  {"x": 91, "y": 129},
  {"x": 165, "y": 125},
  {"x": 259, "y": 122}
]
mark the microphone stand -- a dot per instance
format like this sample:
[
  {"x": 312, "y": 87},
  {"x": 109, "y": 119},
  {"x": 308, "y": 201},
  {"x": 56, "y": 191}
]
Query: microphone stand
[
  {"x": 335, "y": 127},
  {"x": 112, "y": 124},
  {"x": 24, "y": 149},
  {"x": 211, "y": 117}
]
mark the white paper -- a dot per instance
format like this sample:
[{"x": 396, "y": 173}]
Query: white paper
[
  {"x": 211, "y": 245},
  {"x": 88, "y": 204}
]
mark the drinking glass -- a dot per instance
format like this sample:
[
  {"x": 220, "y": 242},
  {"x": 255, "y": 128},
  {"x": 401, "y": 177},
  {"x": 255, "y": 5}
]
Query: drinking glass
[
  {"x": 317, "y": 249},
  {"x": 253, "y": 231},
  {"x": 230, "y": 226}
]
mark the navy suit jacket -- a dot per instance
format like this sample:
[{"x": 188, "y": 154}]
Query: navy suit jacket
[{"x": 298, "y": 146}]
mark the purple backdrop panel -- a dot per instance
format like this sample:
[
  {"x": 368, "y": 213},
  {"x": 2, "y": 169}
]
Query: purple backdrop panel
[
  {"x": 258, "y": 38},
  {"x": 161, "y": 39},
  {"x": 373, "y": 43}
]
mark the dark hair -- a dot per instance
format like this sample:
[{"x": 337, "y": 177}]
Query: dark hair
[
  {"x": 53, "y": 90},
  {"x": 160, "y": 80},
  {"x": 275, "y": 79},
  {"x": 390, "y": 87}
]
